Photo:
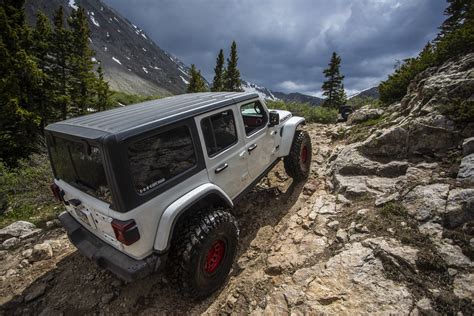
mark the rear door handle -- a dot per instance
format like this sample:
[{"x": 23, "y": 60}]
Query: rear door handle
[
  {"x": 221, "y": 168},
  {"x": 252, "y": 147}
]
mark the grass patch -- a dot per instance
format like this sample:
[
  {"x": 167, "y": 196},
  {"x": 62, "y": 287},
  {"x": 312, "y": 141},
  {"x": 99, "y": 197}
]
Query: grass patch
[
  {"x": 26, "y": 193},
  {"x": 312, "y": 114},
  {"x": 393, "y": 209}
]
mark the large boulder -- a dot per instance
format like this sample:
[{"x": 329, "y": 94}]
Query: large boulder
[
  {"x": 468, "y": 146},
  {"x": 419, "y": 136},
  {"x": 424, "y": 201},
  {"x": 459, "y": 207},
  {"x": 17, "y": 229},
  {"x": 364, "y": 114},
  {"x": 466, "y": 169}
]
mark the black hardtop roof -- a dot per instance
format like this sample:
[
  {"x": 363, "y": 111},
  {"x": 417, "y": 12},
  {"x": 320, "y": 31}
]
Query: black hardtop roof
[{"x": 139, "y": 116}]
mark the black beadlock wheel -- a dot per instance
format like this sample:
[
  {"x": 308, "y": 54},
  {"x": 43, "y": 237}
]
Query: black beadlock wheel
[
  {"x": 203, "y": 251},
  {"x": 298, "y": 162}
]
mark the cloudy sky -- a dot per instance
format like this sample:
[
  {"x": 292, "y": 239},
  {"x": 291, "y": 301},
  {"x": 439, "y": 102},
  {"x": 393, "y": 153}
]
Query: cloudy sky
[{"x": 285, "y": 44}]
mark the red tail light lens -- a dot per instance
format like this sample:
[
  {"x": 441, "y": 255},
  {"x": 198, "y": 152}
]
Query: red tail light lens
[
  {"x": 126, "y": 231},
  {"x": 56, "y": 192}
]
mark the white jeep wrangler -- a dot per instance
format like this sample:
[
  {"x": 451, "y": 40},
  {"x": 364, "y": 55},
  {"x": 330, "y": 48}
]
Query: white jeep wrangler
[{"x": 158, "y": 180}]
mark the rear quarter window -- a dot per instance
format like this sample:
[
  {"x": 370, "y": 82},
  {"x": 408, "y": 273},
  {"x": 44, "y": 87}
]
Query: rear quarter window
[{"x": 159, "y": 158}]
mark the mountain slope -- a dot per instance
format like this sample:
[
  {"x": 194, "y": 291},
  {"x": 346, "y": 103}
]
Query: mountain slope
[
  {"x": 370, "y": 92},
  {"x": 262, "y": 91},
  {"x": 299, "y": 98},
  {"x": 133, "y": 63}
]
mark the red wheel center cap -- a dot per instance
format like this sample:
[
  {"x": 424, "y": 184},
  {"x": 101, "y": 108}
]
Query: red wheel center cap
[
  {"x": 304, "y": 154},
  {"x": 214, "y": 256}
]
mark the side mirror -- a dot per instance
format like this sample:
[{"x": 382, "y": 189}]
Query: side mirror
[{"x": 274, "y": 119}]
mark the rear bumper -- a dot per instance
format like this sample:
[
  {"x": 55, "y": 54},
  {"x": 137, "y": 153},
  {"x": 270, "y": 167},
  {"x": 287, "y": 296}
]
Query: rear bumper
[{"x": 106, "y": 256}]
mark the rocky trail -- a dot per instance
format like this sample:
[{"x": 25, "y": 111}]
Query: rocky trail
[{"x": 382, "y": 225}]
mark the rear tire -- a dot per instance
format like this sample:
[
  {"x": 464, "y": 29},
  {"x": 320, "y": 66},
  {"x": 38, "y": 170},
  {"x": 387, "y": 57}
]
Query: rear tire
[
  {"x": 204, "y": 251},
  {"x": 298, "y": 162}
]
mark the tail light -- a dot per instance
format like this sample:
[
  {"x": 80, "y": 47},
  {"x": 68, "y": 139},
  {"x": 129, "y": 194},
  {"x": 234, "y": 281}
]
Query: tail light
[
  {"x": 126, "y": 231},
  {"x": 56, "y": 192}
]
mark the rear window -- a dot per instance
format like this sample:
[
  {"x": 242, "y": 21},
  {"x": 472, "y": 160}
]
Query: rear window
[
  {"x": 80, "y": 166},
  {"x": 156, "y": 159}
]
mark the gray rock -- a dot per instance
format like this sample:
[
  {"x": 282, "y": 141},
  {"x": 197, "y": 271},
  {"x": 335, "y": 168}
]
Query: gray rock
[
  {"x": 27, "y": 253},
  {"x": 364, "y": 114},
  {"x": 468, "y": 146},
  {"x": 41, "y": 252},
  {"x": 466, "y": 169},
  {"x": 11, "y": 243},
  {"x": 459, "y": 207},
  {"x": 107, "y": 298},
  {"x": 276, "y": 304},
  {"x": 452, "y": 254},
  {"x": 353, "y": 280},
  {"x": 382, "y": 200},
  {"x": 363, "y": 211},
  {"x": 463, "y": 286},
  {"x": 426, "y": 200},
  {"x": 341, "y": 235},
  {"x": 36, "y": 292},
  {"x": 333, "y": 224},
  {"x": 3, "y": 254},
  {"x": 16, "y": 229},
  {"x": 52, "y": 224},
  {"x": 393, "y": 248}
]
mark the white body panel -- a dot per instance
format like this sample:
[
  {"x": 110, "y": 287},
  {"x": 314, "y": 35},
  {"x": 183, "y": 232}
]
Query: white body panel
[
  {"x": 146, "y": 216},
  {"x": 262, "y": 156},
  {"x": 235, "y": 176}
]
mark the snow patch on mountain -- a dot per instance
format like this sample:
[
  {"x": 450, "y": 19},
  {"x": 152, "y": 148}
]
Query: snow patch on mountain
[
  {"x": 73, "y": 5},
  {"x": 94, "y": 21},
  {"x": 262, "y": 91},
  {"x": 184, "y": 80},
  {"x": 116, "y": 60}
]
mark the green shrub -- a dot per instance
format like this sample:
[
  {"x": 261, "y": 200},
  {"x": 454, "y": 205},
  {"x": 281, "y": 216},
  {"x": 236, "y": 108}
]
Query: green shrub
[
  {"x": 312, "y": 114},
  {"x": 461, "y": 111},
  {"x": 27, "y": 191}
]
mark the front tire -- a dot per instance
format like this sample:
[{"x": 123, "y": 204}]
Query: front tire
[
  {"x": 204, "y": 252},
  {"x": 298, "y": 162}
]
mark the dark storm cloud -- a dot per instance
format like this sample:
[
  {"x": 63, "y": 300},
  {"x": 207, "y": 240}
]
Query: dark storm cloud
[{"x": 285, "y": 44}]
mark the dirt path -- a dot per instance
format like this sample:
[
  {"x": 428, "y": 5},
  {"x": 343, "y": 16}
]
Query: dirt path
[{"x": 302, "y": 249}]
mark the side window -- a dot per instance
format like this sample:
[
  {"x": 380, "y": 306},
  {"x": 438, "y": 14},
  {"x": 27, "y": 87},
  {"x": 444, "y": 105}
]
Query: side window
[
  {"x": 219, "y": 132},
  {"x": 254, "y": 117},
  {"x": 158, "y": 158}
]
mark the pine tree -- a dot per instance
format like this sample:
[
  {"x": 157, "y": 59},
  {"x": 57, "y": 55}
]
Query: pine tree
[
  {"x": 456, "y": 13},
  {"x": 83, "y": 78},
  {"x": 232, "y": 81},
  {"x": 61, "y": 71},
  {"x": 103, "y": 92},
  {"x": 41, "y": 49},
  {"x": 218, "y": 82},
  {"x": 333, "y": 87},
  {"x": 196, "y": 84},
  {"x": 20, "y": 81}
]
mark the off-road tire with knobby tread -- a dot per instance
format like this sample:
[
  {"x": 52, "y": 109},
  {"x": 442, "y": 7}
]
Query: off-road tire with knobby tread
[
  {"x": 298, "y": 162},
  {"x": 192, "y": 246}
]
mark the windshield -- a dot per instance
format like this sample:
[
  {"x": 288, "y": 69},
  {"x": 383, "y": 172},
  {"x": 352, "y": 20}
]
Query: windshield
[{"x": 73, "y": 164}]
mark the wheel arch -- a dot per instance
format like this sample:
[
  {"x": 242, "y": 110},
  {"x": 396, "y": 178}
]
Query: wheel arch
[
  {"x": 287, "y": 134},
  {"x": 204, "y": 196}
]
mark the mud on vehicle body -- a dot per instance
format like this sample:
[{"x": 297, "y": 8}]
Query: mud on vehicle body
[{"x": 158, "y": 180}]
